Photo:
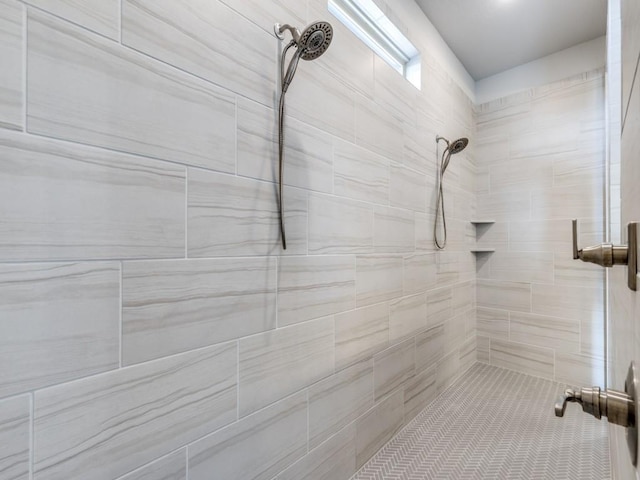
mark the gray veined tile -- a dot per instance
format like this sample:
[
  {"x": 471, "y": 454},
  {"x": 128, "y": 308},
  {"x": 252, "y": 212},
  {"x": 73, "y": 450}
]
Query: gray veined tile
[
  {"x": 175, "y": 306},
  {"x": 338, "y": 400},
  {"x": 15, "y": 431},
  {"x": 360, "y": 174},
  {"x": 59, "y": 322},
  {"x": 171, "y": 467},
  {"x": 504, "y": 295},
  {"x": 11, "y": 60},
  {"x": 334, "y": 459},
  {"x": 280, "y": 362},
  {"x": 420, "y": 273},
  {"x": 338, "y": 225},
  {"x": 419, "y": 391},
  {"x": 227, "y": 50},
  {"x": 463, "y": 297},
  {"x": 408, "y": 189},
  {"x": 377, "y": 130},
  {"x": 551, "y": 332},
  {"x": 104, "y": 426},
  {"x": 255, "y": 448},
  {"x": 392, "y": 367},
  {"x": 439, "y": 305},
  {"x": 101, "y": 16},
  {"x": 394, "y": 230},
  {"x": 492, "y": 323},
  {"x": 90, "y": 203},
  {"x": 263, "y": 14},
  {"x": 378, "y": 278},
  {"x": 360, "y": 334},
  {"x": 407, "y": 317},
  {"x": 574, "y": 302},
  {"x": 313, "y": 287},
  {"x": 529, "y": 359},
  {"x": 230, "y": 215},
  {"x": 90, "y": 90}
]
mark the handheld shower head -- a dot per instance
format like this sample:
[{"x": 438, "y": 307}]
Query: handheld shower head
[
  {"x": 315, "y": 39},
  {"x": 458, "y": 145}
]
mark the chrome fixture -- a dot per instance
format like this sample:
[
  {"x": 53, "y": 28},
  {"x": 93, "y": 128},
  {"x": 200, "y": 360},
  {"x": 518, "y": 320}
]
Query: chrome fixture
[
  {"x": 608, "y": 255},
  {"x": 620, "y": 408},
  {"x": 310, "y": 44},
  {"x": 452, "y": 148}
]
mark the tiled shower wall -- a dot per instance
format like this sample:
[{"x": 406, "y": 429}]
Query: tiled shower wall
[
  {"x": 150, "y": 324},
  {"x": 541, "y": 162}
]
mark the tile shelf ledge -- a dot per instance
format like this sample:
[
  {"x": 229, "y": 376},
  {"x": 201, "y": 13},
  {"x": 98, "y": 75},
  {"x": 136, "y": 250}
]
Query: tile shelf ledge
[
  {"x": 481, "y": 221},
  {"x": 483, "y": 250}
]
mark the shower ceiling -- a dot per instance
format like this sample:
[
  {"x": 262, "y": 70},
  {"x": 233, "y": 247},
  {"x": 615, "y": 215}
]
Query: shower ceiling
[{"x": 490, "y": 36}]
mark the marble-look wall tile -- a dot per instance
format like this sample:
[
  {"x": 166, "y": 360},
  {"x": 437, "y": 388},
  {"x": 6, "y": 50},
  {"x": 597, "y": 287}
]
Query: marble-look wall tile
[
  {"x": 178, "y": 305},
  {"x": 101, "y": 16},
  {"x": 308, "y": 161},
  {"x": 59, "y": 322},
  {"x": 407, "y": 317},
  {"x": 574, "y": 201},
  {"x": 420, "y": 273},
  {"x": 577, "y": 369},
  {"x": 378, "y": 278},
  {"x": 550, "y": 332},
  {"x": 567, "y": 271},
  {"x": 163, "y": 29},
  {"x": 378, "y": 426},
  {"x": 419, "y": 391},
  {"x": 394, "y": 92},
  {"x": 529, "y": 359},
  {"x": 15, "y": 431},
  {"x": 510, "y": 206},
  {"x": 483, "y": 349},
  {"x": 439, "y": 305},
  {"x": 230, "y": 215},
  {"x": 493, "y": 323},
  {"x": 408, "y": 189},
  {"x": 338, "y": 400},
  {"x": 521, "y": 174},
  {"x": 11, "y": 60},
  {"x": 532, "y": 267},
  {"x": 360, "y": 174},
  {"x": 429, "y": 347},
  {"x": 464, "y": 295},
  {"x": 424, "y": 224},
  {"x": 360, "y": 334},
  {"x": 313, "y": 287},
  {"x": 337, "y": 225},
  {"x": 263, "y": 14},
  {"x": 104, "y": 426},
  {"x": 90, "y": 203},
  {"x": 504, "y": 295},
  {"x": 574, "y": 302},
  {"x": 257, "y": 447},
  {"x": 334, "y": 459},
  {"x": 171, "y": 467},
  {"x": 394, "y": 230},
  {"x": 392, "y": 367},
  {"x": 280, "y": 362},
  {"x": 377, "y": 130},
  {"x": 89, "y": 90}
]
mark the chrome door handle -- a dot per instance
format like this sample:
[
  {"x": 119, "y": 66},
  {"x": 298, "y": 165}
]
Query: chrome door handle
[{"x": 608, "y": 255}]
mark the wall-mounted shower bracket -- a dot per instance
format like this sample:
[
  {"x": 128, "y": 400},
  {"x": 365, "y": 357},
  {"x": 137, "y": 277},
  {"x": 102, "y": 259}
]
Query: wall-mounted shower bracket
[{"x": 608, "y": 255}]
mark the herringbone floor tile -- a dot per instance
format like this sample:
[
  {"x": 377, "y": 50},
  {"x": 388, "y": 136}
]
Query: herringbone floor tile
[{"x": 495, "y": 424}]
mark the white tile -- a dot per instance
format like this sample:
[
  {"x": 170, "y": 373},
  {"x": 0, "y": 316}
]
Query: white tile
[
  {"x": 164, "y": 29},
  {"x": 504, "y": 295},
  {"x": 419, "y": 391},
  {"x": 532, "y": 267},
  {"x": 536, "y": 361},
  {"x": 378, "y": 278},
  {"x": 551, "y": 332},
  {"x": 573, "y": 302},
  {"x": 15, "y": 431},
  {"x": 264, "y": 14},
  {"x": 59, "y": 322},
  {"x": 392, "y": 367},
  {"x": 408, "y": 189},
  {"x": 90, "y": 90},
  {"x": 492, "y": 323},
  {"x": 360, "y": 334},
  {"x": 394, "y": 230},
  {"x": 377, "y": 130},
  {"x": 171, "y": 467},
  {"x": 104, "y": 426},
  {"x": 407, "y": 317},
  {"x": 429, "y": 347},
  {"x": 256, "y": 447},
  {"x": 439, "y": 305},
  {"x": 11, "y": 60},
  {"x": 313, "y": 287},
  {"x": 174, "y": 306},
  {"x": 101, "y": 16},
  {"x": 360, "y": 174},
  {"x": 90, "y": 203},
  {"x": 278, "y": 363}
]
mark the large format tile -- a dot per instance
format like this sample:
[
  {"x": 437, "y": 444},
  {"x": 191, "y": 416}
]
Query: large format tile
[
  {"x": 334, "y": 459},
  {"x": 394, "y": 230},
  {"x": 101, "y": 16},
  {"x": 178, "y": 305},
  {"x": 107, "y": 425},
  {"x": 419, "y": 391},
  {"x": 360, "y": 334},
  {"x": 264, "y": 14},
  {"x": 360, "y": 174},
  {"x": 492, "y": 323},
  {"x": 378, "y": 278},
  {"x": 429, "y": 347},
  {"x": 378, "y": 426},
  {"x": 536, "y": 361},
  {"x": 551, "y": 332},
  {"x": 533, "y": 267},
  {"x": 420, "y": 273},
  {"x": 313, "y": 287},
  {"x": 377, "y": 130},
  {"x": 15, "y": 431},
  {"x": 89, "y": 90},
  {"x": 90, "y": 203},
  {"x": 59, "y": 322},
  {"x": 277, "y": 363},
  {"x": 392, "y": 367},
  {"x": 338, "y": 400},
  {"x": 407, "y": 317},
  {"x": 575, "y": 302},
  {"x": 11, "y": 60},
  {"x": 171, "y": 467},
  {"x": 164, "y": 29},
  {"x": 337, "y": 225},
  {"x": 230, "y": 215},
  {"x": 504, "y": 295},
  {"x": 407, "y": 189},
  {"x": 439, "y": 305},
  {"x": 255, "y": 448}
]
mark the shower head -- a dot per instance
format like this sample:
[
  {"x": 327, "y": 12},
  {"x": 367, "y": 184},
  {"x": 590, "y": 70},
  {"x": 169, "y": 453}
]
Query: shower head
[
  {"x": 458, "y": 145},
  {"x": 312, "y": 42}
]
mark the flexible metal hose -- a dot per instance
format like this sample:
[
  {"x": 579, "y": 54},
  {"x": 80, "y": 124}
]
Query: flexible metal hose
[{"x": 440, "y": 201}]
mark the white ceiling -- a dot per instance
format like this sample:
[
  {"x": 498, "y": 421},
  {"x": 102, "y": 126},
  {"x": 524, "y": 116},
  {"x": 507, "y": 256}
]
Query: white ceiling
[{"x": 491, "y": 36}]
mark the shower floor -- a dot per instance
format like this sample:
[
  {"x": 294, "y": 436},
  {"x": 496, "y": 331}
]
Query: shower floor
[{"x": 495, "y": 424}]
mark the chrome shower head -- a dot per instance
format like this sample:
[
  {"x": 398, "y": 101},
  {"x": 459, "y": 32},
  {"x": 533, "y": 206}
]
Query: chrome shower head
[
  {"x": 315, "y": 39},
  {"x": 458, "y": 145}
]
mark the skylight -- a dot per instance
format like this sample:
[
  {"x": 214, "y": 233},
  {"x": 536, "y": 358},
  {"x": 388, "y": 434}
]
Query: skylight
[{"x": 371, "y": 25}]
